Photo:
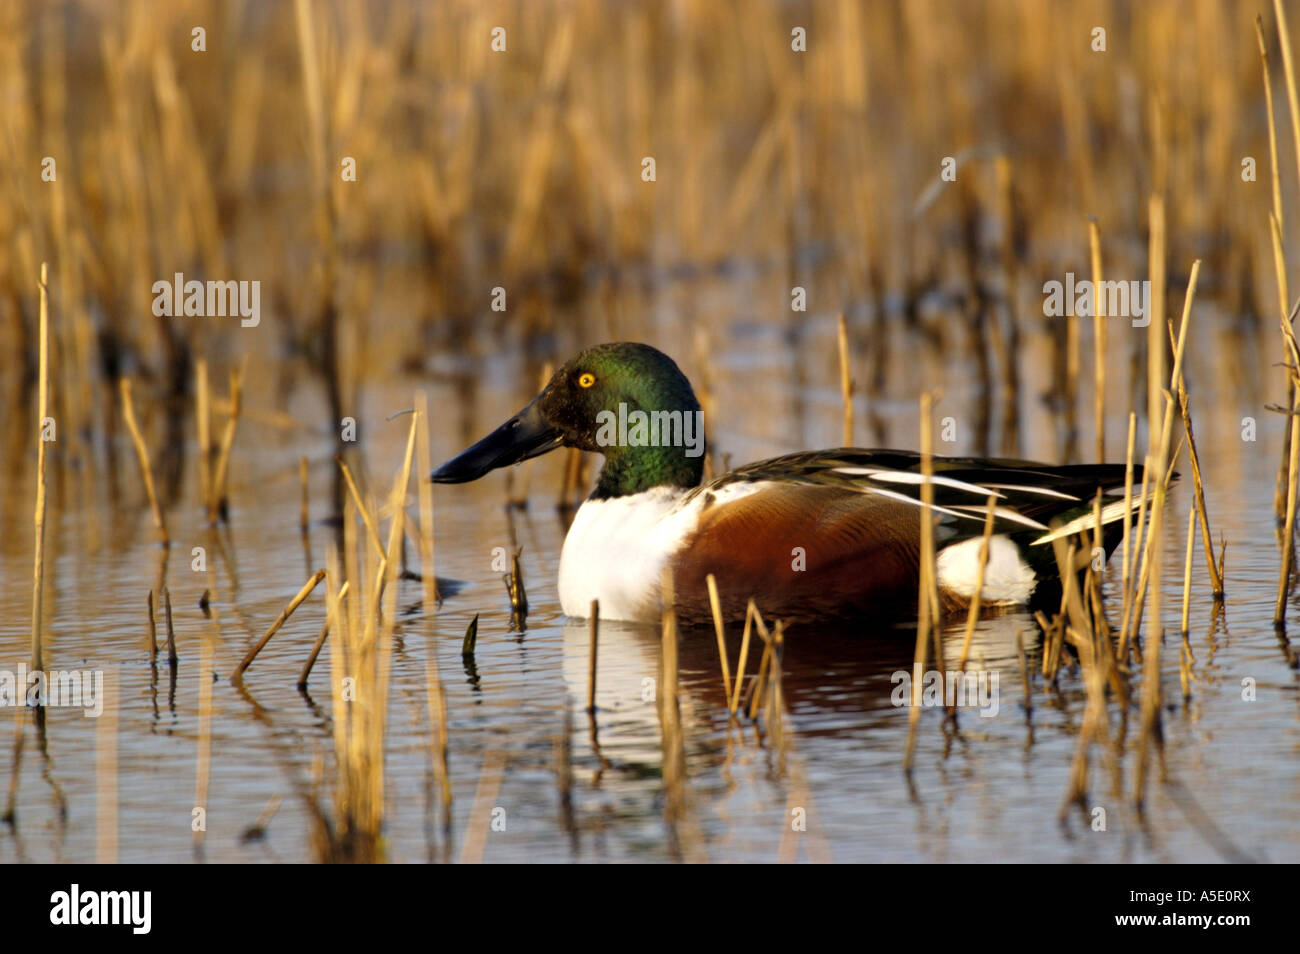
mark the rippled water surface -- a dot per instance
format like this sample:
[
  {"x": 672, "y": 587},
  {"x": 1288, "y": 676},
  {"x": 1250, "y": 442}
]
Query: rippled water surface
[{"x": 124, "y": 785}]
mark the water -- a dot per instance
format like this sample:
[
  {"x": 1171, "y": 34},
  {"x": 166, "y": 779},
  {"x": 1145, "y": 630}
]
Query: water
[{"x": 989, "y": 792}]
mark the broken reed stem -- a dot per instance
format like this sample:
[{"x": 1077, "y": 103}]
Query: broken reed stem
[
  {"x": 320, "y": 642},
  {"x": 303, "y": 522},
  {"x": 750, "y": 611},
  {"x": 1187, "y": 566},
  {"x": 172, "y": 658},
  {"x": 1284, "y": 468},
  {"x": 470, "y": 642},
  {"x": 279, "y": 621},
  {"x": 1288, "y": 532},
  {"x": 1290, "y": 471},
  {"x": 397, "y": 507},
  {"x": 1099, "y": 338},
  {"x": 716, "y": 606},
  {"x": 361, "y": 508},
  {"x": 764, "y": 666},
  {"x": 846, "y": 380},
  {"x": 515, "y": 585},
  {"x": 928, "y": 595},
  {"x": 203, "y": 414},
  {"x": 1162, "y": 461},
  {"x": 669, "y": 715},
  {"x": 1198, "y": 486},
  {"x": 153, "y": 633},
  {"x": 142, "y": 454},
  {"x": 972, "y": 615},
  {"x": 1275, "y": 219},
  {"x": 425, "y": 491},
  {"x": 217, "y": 503},
  {"x": 1128, "y": 522},
  {"x": 593, "y": 629},
  {"x": 1131, "y": 597},
  {"x": 38, "y": 517}
]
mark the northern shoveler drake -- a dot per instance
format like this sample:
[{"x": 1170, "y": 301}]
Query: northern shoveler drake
[{"x": 818, "y": 534}]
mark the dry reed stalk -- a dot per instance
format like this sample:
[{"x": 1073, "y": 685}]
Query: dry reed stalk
[
  {"x": 153, "y": 633},
  {"x": 1151, "y": 732},
  {"x": 1155, "y": 338},
  {"x": 1288, "y": 530},
  {"x": 1280, "y": 487},
  {"x": 1288, "y": 67},
  {"x": 1094, "y": 727},
  {"x": 172, "y": 658},
  {"x": 674, "y": 757},
  {"x": 1187, "y": 567},
  {"x": 1290, "y": 451},
  {"x": 428, "y": 575},
  {"x": 1292, "y": 461},
  {"x": 716, "y": 606},
  {"x": 203, "y": 413},
  {"x": 759, "y": 687},
  {"x": 593, "y": 629},
  {"x": 774, "y": 708},
  {"x": 366, "y": 518},
  {"x": 142, "y": 454},
  {"x": 217, "y": 505},
  {"x": 1161, "y": 463},
  {"x": 397, "y": 506},
  {"x": 750, "y": 611},
  {"x": 928, "y": 614},
  {"x": 846, "y": 380},
  {"x": 1198, "y": 486},
  {"x": 1099, "y": 338},
  {"x": 279, "y": 621},
  {"x": 362, "y": 650},
  {"x": 515, "y": 587},
  {"x": 1272, "y": 120},
  {"x": 973, "y": 613},
  {"x": 320, "y": 643},
  {"x": 303, "y": 522},
  {"x": 1132, "y": 568},
  {"x": 1008, "y": 345},
  {"x": 1129, "y": 499}
]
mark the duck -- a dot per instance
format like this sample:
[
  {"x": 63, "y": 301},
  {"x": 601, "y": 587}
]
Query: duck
[{"x": 814, "y": 535}]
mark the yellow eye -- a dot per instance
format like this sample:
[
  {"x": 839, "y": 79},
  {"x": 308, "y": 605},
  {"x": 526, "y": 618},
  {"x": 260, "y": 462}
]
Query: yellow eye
[{"x": 586, "y": 379}]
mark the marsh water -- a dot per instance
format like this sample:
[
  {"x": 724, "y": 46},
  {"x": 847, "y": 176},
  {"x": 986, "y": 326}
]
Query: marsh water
[{"x": 565, "y": 786}]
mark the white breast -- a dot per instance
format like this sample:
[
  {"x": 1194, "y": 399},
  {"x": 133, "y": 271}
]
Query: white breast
[{"x": 616, "y": 549}]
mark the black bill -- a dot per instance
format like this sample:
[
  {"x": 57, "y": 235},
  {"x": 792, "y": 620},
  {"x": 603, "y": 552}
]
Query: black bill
[{"x": 524, "y": 436}]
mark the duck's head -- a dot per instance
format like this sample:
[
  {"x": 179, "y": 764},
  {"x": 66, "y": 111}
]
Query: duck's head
[{"x": 625, "y": 400}]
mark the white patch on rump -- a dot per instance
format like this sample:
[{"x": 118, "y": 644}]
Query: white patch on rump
[{"x": 1007, "y": 578}]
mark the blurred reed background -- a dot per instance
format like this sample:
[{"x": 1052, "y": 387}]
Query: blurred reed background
[{"x": 522, "y": 169}]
